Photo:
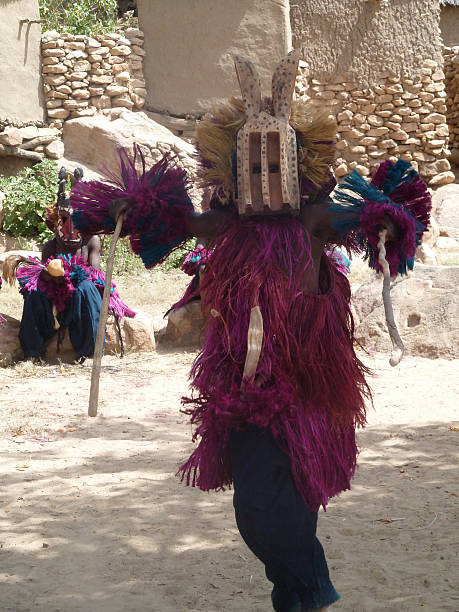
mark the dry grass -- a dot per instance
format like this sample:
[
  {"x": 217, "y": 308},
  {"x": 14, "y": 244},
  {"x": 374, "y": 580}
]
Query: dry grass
[
  {"x": 152, "y": 291},
  {"x": 11, "y": 301}
]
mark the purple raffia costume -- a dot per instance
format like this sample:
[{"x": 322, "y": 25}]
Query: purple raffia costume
[{"x": 278, "y": 390}]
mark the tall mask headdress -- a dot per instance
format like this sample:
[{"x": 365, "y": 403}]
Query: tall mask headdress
[
  {"x": 267, "y": 162},
  {"x": 266, "y": 156}
]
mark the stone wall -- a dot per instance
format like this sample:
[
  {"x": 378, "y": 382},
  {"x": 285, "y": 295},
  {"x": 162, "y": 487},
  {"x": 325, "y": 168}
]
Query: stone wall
[
  {"x": 451, "y": 55},
  {"x": 399, "y": 117},
  {"x": 21, "y": 99},
  {"x": 82, "y": 74}
]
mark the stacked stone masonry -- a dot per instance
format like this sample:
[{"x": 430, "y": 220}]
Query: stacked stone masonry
[
  {"x": 451, "y": 56},
  {"x": 83, "y": 75},
  {"x": 398, "y": 118}
]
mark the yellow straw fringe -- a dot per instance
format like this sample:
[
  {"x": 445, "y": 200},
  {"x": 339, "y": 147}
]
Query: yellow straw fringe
[{"x": 216, "y": 142}]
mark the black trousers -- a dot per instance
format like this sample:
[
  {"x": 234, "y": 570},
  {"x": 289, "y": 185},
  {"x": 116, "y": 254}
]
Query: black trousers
[{"x": 276, "y": 524}]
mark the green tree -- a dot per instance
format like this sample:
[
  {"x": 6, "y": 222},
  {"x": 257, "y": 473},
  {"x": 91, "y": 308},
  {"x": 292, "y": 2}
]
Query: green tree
[
  {"x": 28, "y": 193},
  {"x": 82, "y": 17}
]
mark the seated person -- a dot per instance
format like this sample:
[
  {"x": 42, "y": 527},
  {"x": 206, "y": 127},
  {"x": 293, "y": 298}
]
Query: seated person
[{"x": 40, "y": 318}]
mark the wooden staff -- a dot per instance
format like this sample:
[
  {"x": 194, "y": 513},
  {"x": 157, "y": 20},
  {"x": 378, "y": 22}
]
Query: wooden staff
[
  {"x": 97, "y": 360},
  {"x": 397, "y": 343}
]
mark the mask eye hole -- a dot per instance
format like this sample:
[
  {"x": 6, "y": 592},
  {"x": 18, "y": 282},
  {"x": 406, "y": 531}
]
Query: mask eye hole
[
  {"x": 273, "y": 168},
  {"x": 256, "y": 168}
]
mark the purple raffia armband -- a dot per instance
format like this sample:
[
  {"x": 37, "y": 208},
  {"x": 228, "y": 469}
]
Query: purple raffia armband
[
  {"x": 156, "y": 223},
  {"x": 198, "y": 256},
  {"x": 396, "y": 191}
]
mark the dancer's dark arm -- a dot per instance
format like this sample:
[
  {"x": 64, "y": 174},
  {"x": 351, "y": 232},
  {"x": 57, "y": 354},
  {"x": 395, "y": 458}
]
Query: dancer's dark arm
[
  {"x": 206, "y": 225},
  {"x": 319, "y": 221},
  {"x": 94, "y": 251}
]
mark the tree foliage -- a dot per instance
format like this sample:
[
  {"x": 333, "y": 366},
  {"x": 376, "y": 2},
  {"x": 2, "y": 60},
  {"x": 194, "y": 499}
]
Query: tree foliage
[
  {"x": 28, "y": 193},
  {"x": 82, "y": 17}
]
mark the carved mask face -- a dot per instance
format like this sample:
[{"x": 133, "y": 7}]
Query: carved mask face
[
  {"x": 65, "y": 229},
  {"x": 267, "y": 164}
]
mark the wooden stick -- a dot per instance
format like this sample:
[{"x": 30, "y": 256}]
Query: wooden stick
[
  {"x": 97, "y": 359},
  {"x": 397, "y": 343}
]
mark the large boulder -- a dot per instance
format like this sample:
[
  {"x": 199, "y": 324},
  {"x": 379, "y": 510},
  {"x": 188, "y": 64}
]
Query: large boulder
[
  {"x": 425, "y": 252},
  {"x": 137, "y": 333},
  {"x": 445, "y": 205},
  {"x": 426, "y": 306},
  {"x": 185, "y": 326},
  {"x": 10, "y": 349},
  {"x": 94, "y": 141}
]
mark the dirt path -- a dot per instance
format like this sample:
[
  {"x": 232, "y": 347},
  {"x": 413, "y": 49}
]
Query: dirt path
[{"x": 93, "y": 519}]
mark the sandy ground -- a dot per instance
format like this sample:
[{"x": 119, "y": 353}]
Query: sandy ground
[{"x": 93, "y": 519}]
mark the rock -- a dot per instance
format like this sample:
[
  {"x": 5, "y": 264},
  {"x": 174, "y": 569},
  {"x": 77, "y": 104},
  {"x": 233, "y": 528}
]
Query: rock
[
  {"x": 375, "y": 121},
  {"x": 341, "y": 170},
  {"x": 138, "y": 50},
  {"x": 96, "y": 91},
  {"x": 116, "y": 90},
  {"x": 379, "y": 131},
  {"x": 31, "y": 131},
  {"x": 122, "y": 77},
  {"x": 121, "y": 128},
  {"x": 185, "y": 325},
  {"x": 426, "y": 255},
  {"x": 83, "y": 112},
  {"x": 72, "y": 105},
  {"x": 81, "y": 94},
  {"x": 133, "y": 33},
  {"x": 345, "y": 116},
  {"x": 138, "y": 100},
  {"x": 11, "y": 136},
  {"x": 10, "y": 349},
  {"x": 430, "y": 237},
  {"x": 58, "y": 113},
  {"x": 58, "y": 69},
  {"x": 55, "y": 149},
  {"x": 124, "y": 101},
  {"x": 120, "y": 69},
  {"x": 76, "y": 85},
  {"x": 78, "y": 75},
  {"x": 92, "y": 43},
  {"x": 53, "y": 52},
  {"x": 54, "y": 103},
  {"x": 137, "y": 334},
  {"x": 121, "y": 50},
  {"x": 425, "y": 303},
  {"x": 441, "y": 165},
  {"x": 362, "y": 170},
  {"x": 101, "y": 102},
  {"x": 55, "y": 80},
  {"x": 101, "y": 79},
  {"x": 446, "y": 206},
  {"x": 444, "y": 178}
]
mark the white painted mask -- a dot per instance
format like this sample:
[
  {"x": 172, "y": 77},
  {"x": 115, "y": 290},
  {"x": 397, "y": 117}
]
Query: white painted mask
[{"x": 267, "y": 163}]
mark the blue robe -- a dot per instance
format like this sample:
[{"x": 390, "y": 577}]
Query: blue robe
[{"x": 81, "y": 317}]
